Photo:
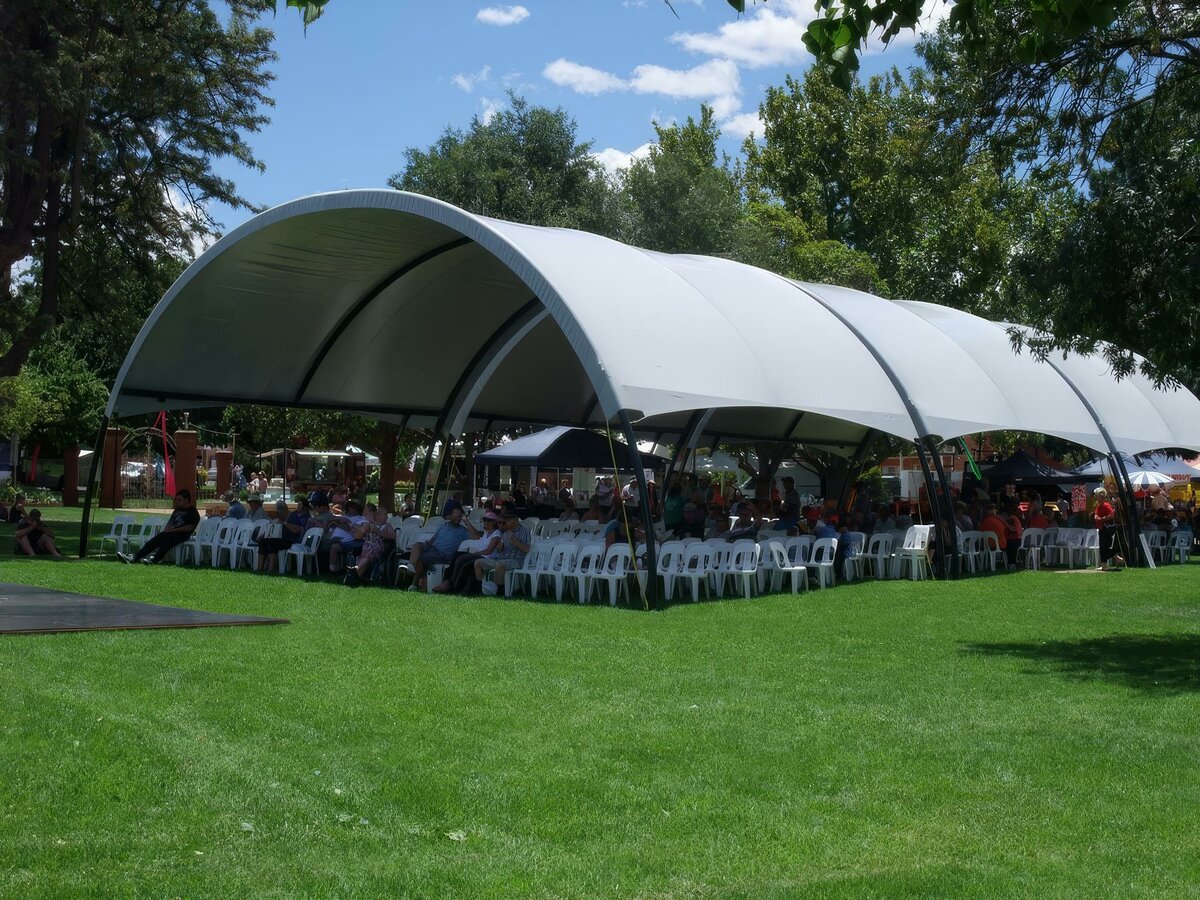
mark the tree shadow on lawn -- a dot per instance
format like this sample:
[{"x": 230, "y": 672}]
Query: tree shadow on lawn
[{"x": 1155, "y": 663}]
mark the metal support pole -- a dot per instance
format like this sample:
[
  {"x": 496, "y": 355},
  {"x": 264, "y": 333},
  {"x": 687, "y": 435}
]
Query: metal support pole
[
  {"x": 949, "y": 545},
  {"x": 1132, "y": 520},
  {"x": 635, "y": 458},
  {"x": 932, "y": 492},
  {"x": 424, "y": 479},
  {"x": 90, "y": 493},
  {"x": 856, "y": 464},
  {"x": 687, "y": 443}
]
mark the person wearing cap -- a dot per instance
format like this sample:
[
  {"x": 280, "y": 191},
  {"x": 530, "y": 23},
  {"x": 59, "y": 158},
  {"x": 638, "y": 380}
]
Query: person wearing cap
[
  {"x": 294, "y": 526},
  {"x": 234, "y": 510},
  {"x": 254, "y": 509},
  {"x": 511, "y": 554},
  {"x": 483, "y": 544}
]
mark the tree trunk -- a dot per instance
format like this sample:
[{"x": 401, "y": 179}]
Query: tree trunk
[{"x": 389, "y": 441}]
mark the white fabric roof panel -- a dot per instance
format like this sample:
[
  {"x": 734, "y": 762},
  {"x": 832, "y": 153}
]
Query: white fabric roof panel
[{"x": 383, "y": 302}]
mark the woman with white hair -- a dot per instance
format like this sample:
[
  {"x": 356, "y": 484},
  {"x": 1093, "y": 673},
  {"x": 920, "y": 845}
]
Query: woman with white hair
[{"x": 1105, "y": 518}]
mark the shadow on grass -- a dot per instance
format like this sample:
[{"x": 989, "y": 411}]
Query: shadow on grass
[{"x": 1156, "y": 663}]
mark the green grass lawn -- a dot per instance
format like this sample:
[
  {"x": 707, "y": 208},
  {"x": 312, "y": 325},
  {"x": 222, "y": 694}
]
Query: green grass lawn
[{"x": 1033, "y": 734}]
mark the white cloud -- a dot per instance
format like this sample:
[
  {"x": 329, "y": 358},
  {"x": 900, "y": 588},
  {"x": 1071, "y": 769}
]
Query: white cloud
[
  {"x": 743, "y": 125},
  {"x": 468, "y": 82},
  {"x": 770, "y": 36},
  {"x": 488, "y": 109},
  {"x": 715, "y": 78},
  {"x": 582, "y": 79},
  {"x": 614, "y": 160},
  {"x": 502, "y": 15}
]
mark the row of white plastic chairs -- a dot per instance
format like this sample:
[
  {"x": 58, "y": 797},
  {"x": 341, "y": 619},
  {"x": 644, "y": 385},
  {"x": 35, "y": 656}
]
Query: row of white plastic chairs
[
  {"x": 217, "y": 540},
  {"x": 1080, "y": 547},
  {"x": 580, "y": 566}
]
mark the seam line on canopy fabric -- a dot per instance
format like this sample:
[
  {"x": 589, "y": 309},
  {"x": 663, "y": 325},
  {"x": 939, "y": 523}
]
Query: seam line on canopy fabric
[{"x": 365, "y": 300}]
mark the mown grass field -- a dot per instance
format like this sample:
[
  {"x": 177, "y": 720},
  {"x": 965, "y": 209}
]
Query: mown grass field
[{"x": 1033, "y": 734}]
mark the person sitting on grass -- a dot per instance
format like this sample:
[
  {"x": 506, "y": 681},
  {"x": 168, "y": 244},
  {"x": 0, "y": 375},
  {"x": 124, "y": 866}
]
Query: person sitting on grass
[
  {"x": 34, "y": 537},
  {"x": 439, "y": 550},
  {"x": 16, "y": 512},
  {"x": 511, "y": 554},
  {"x": 178, "y": 529}
]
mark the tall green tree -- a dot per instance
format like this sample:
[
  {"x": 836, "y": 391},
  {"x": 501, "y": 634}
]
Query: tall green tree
[
  {"x": 524, "y": 164},
  {"x": 112, "y": 113},
  {"x": 682, "y": 195}
]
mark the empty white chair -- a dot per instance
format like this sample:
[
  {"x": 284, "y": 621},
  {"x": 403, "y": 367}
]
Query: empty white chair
[
  {"x": 560, "y": 560},
  {"x": 1030, "y": 552},
  {"x": 530, "y": 565},
  {"x": 993, "y": 557},
  {"x": 1158, "y": 545},
  {"x": 614, "y": 571},
  {"x": 1072, "y": 546},
  {"x": 799, "y": 549},
  {"x": 739, "y": 567},
  {"x": 779, "y": 567},
  {"x": 878, "y": 555},
  {"x": 1088, "y": 551},
  {"x": 588, "y": 559},
  {"x": 694, "y": 570},
  {"x": 303, "y": 553},
  {"x": 913, "y": 554},
  {"x": 721, "y": 551},
  {"x": 669, "y": 562},
  {"x": 824, "y": 552},
  {"x": 972, "y": 549},
  {"x": 193, "y": 546},
  {"x": 243, "y": 549},
  {"x": 117, "y": 532},
  {"x": 1180, "y": 546}
]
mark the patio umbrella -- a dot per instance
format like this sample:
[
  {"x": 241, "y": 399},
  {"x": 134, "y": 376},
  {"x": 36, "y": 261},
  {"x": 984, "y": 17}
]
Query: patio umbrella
[{"x": 1144, "y": 479}]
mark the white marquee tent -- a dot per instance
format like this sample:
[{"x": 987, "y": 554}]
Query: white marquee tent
[{"x": 400, "y": 306}]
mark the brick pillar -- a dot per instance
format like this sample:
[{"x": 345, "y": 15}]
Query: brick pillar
[
  {"x": 70, "y": 495},
  {"x": 224, "y": 471},
  {"x": 110, "y": 473},
  {"x": 185, "y": 462}
]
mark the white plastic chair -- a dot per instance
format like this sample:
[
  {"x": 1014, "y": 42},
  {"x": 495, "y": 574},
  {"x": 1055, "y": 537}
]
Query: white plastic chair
[
  {"x": 303, "y": 553},
  {"x": 779, "y": 565},
  {"x": 878, "y": 555},
  {"x": 799, "y": 549},
  {"x": 433, "y": 523},
  {"x": 1073, "y": 545},
  {"x": 588, "y": 559},
  {"x": 741, "y": 565},
  {"x": 853, "y": 560},
  {"x": 193, "y": 547},
  {"x": 138, "y": 535},
  {"x": 560, "y": 560},
  {"x": 1030, "y": 552},
  {"x": 1180, "y": 546},
  {"x": 824, "y": 552},
  {"x": 912, "y": 554},
  {"x": 669, "y": 561},
  {"x": 1088, "y": 551},
  {"x": 117, "y": 532},
  {"x": 694, "y": 571},
  {"x": 243, "y": 550},
  {"x": 1158, "y": 545},
  {"x": 615, "y": 570},
  {"x": 525, "y": 572},
  {"x": 993, "y": 557}
]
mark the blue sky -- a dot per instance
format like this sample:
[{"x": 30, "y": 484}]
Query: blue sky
[{"x": 374, "y": 77}]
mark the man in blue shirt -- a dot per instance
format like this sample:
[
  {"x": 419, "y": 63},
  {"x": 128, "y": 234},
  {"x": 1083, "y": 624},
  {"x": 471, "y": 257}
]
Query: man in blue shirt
[{"x": 439, "y": 550}]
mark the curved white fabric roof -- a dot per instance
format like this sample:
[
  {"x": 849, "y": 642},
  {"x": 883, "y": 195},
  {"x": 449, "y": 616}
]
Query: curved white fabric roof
[{"x": 401, "y": 306}]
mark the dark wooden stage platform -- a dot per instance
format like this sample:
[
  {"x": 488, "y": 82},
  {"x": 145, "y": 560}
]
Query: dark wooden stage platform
[{"x": 25, "y": 609}]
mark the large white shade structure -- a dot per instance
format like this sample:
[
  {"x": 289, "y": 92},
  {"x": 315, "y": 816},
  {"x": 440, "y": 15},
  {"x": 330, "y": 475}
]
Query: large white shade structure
[{"x": 399, "y": 305}]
